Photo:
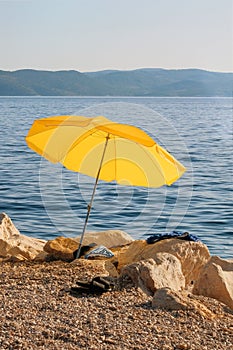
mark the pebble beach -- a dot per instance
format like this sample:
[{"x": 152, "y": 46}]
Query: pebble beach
[{"x": 37, "y": 311}]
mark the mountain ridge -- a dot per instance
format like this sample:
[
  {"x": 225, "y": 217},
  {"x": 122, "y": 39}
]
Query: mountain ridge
[{"x": 189, "y": 82}]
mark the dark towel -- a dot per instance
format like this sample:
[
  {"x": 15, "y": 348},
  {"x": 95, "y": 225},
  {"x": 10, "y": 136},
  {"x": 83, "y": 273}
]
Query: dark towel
[{"x": 173, "y": 234}]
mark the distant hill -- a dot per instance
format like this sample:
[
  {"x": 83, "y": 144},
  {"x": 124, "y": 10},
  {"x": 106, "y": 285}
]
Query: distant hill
[{"x": 139, "y": 82}]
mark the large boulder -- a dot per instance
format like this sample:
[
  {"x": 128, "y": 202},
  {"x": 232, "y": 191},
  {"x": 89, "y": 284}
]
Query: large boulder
[
  {"x": 61, "y": 248},
  {"x": 192, "y": 255},
  {"x": 109, "y": 238},
  {"x": 216, "y": 280},
  {"x": 16, "y": 246},
  {"x": 164, "y": 270}
]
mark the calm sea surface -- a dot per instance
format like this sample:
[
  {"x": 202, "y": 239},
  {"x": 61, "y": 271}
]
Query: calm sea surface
[{"x": 46, "y": 200}]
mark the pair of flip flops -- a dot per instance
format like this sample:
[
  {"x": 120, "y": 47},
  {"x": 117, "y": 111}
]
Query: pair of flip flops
[{"x": 97, "y": 285}]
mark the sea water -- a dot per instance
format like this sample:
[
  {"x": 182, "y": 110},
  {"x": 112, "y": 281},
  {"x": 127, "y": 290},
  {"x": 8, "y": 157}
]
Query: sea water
[{"x": 46, "y": 200}]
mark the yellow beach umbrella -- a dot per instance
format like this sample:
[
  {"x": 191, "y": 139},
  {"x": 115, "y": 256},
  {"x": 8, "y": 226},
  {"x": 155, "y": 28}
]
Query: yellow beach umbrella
[{"x": 104, "y": 150}]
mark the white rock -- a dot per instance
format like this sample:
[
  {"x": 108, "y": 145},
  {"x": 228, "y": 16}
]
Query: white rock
[
  {"x": 192, "y": 255},
  {"x": 109, "y": 238},
  {"x": 216, "y": 280},
  {"x": 164, "y": 270},
  {"x": 16, "y": 246}
]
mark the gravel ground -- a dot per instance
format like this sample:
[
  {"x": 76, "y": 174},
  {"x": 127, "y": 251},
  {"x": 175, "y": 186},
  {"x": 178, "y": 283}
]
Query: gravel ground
[{"x": 37, "y": 311}]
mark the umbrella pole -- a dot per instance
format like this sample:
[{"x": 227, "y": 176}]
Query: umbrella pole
[{"x": 92, "y": 198}]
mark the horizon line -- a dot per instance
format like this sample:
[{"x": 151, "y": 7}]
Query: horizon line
[{"x": 113, "y": 69}]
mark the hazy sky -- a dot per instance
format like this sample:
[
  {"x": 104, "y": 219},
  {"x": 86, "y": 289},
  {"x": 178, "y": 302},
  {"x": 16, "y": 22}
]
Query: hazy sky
[{"x": 89, "y": 35}]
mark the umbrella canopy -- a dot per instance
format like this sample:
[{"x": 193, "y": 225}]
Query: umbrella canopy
[
  {"x": 132, "y": 157},
  {"x": 104, "y": 150}
]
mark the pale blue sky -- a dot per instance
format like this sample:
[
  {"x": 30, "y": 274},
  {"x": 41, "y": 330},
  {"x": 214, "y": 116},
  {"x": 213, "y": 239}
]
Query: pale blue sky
[{"x": 89, "y": 35}]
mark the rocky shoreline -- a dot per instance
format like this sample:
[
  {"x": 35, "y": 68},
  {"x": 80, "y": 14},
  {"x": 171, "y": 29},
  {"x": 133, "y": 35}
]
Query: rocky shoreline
[{"x": 167, "y": 295}]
